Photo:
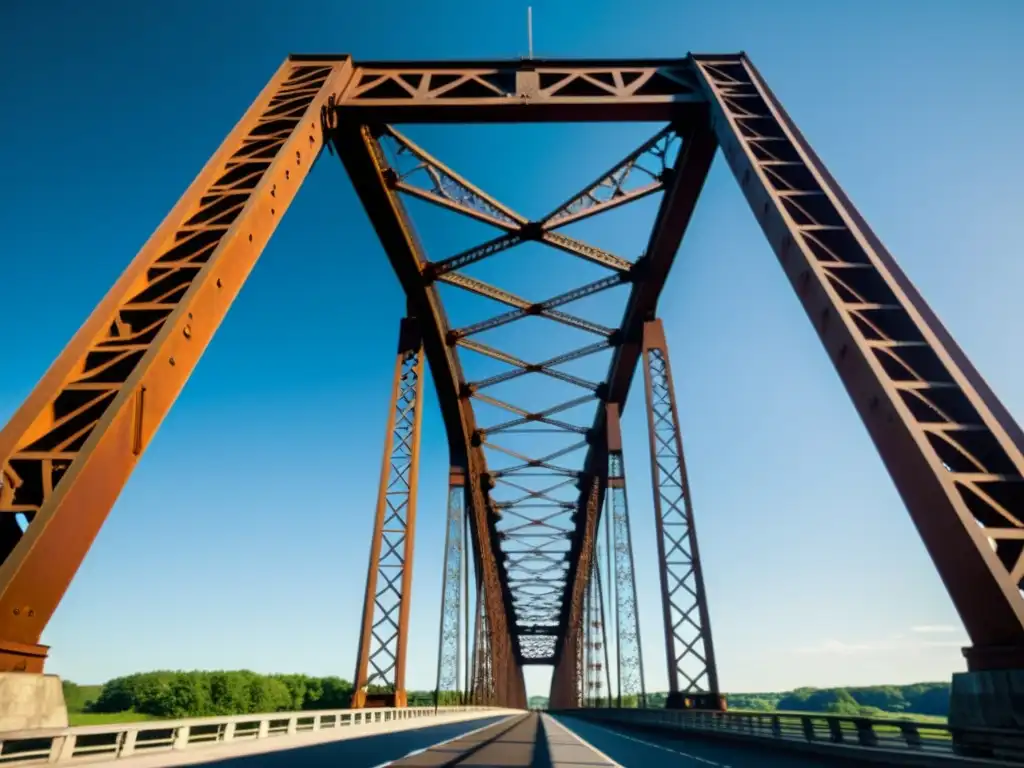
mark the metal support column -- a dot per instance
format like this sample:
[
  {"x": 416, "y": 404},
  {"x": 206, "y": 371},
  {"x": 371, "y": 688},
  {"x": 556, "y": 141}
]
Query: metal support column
[
  {"x": 448, "y": 651},
  {"x": 629, "y": 660},
  {"x": 604, "y": 632},
  {"x": 385, "y": 628},
  {"x": 693, "y": 678}
]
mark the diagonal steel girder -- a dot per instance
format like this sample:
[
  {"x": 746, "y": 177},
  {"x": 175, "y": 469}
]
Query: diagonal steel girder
[
  {"x": 674, "y": 214},
  {"x": 447, "y": 189}
]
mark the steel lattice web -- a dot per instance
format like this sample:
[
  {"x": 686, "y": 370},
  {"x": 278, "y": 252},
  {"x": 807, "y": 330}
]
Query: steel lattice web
[
  {"x": 449, "y": 655},
  {"x": 535, "y": 451},
  {"x": 623, "y": 590},
  {"x": 688, "y": 641},
  {"x": 384, "y": 635}
]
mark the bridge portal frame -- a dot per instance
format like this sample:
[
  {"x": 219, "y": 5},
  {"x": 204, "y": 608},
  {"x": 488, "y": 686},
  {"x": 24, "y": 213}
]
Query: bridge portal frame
[{"x": 953, "y": 450}]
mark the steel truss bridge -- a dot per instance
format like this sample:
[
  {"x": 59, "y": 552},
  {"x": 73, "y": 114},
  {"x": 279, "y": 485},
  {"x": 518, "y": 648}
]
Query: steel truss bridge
[{"x": 541, "y": 572}]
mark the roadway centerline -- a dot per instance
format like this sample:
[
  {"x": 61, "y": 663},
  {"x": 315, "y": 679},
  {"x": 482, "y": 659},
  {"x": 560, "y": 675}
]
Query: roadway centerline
[
  {"x": 517, "y": 742},
  {"x": 631, "y": 751},
  {"x": 560, "y": 752},
  {"x": 461, "y": 746}
]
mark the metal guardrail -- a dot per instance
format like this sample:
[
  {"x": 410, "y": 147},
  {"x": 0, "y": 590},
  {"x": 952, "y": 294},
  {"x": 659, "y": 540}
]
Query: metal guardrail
[
  {"x": 117, "y": 740},
  {"x": 913, "y": 738}
]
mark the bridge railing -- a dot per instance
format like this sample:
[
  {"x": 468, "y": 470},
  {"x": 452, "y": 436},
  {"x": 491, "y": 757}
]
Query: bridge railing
[
  {"x": 910, "y": 737},
  {"x": 117, "y": 740}
]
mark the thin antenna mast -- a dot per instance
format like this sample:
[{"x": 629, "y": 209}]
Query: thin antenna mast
[{"x": 529, "y": 30}]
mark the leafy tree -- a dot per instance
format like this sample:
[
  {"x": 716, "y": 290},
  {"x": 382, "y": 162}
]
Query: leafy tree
[
  {"x": 268, "y": 694},
  {"x": 337, "y": 693},
  {"x": 229, "y": 692}
]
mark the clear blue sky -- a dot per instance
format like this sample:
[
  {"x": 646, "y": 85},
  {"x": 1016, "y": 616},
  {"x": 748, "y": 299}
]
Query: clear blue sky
[{"x": 241, "y": 539}]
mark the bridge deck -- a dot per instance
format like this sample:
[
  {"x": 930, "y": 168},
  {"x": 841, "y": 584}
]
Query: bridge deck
[
  {"x": 544, "y": 741},
  {"x": 528, "y": 740}
]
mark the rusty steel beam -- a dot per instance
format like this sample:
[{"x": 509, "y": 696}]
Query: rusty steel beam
[
  {"x": 384, "y": 635},
  {"x": 449, "y": 657},
  {"x": 674, "y": 214},
  {"x": 629, "y": 661},
  {"x": 953, "y": 450},
  {"x": 360, "y": 153},
  {"x": 534, "y": 90},
  {"x": 69, "y": 449},
  {"x": 689, "y": 650}
]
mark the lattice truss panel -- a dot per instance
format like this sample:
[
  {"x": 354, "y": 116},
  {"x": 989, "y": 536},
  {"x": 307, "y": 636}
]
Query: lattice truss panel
[
  {"x": 483, "y": 85},
  {"x": 389, "y": 590},
  {"x": 687, "y": 630},
  {"x": 534, "y": 312},
  {"x": 948, "y": 418},
  {"x": 596, "y": 649},
  {"x": 50, "y": 446},
  {"x": 449, "y": 656},
  {"x": 483, "y": 673},
  {"x": 622, "y": 584}
]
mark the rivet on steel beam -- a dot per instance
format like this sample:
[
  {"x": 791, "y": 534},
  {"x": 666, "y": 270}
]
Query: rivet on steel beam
[{"x": 187, "y": 331}]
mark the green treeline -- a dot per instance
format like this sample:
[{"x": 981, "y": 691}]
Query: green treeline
[
  {"x": 202, "y": 694},
  {"x": 873, "y": 700},
  {"x": 930, "y": 699}
]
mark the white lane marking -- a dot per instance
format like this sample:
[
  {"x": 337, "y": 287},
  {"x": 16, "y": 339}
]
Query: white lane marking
[
  {"x": 441, "y": 743},
  {"x": 698, "y": 758},
  {"x": 583, "y": 741}
]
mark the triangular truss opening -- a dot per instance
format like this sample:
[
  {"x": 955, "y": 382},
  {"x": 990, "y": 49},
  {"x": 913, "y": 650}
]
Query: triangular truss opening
[{"x": 532, "y": 312}]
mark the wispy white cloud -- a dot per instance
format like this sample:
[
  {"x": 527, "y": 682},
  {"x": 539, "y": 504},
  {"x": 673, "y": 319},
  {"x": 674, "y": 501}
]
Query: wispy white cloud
[
  {"x": 934, "y": 629},
  {"x": 898, "y": 642}
]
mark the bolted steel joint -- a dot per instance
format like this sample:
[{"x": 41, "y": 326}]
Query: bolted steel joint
[{"x": 531, "y": 231}]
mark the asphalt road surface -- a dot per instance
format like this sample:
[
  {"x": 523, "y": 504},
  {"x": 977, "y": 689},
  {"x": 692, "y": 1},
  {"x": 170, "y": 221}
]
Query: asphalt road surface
[
  {"x": 544, "y": 741},
  {"x": 365, "y": 752},
  {"x": 521, "y": 741},
  {"x": 643, "y": 749}
]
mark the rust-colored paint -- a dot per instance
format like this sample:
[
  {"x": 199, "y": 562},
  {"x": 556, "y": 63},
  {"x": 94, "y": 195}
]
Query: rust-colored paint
[
  {"x": 70, "y": 448},
  {"x": 678, "y": 555},
  {"x": 951, "y": 447},
  {"x": 384, "y": 635}
]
